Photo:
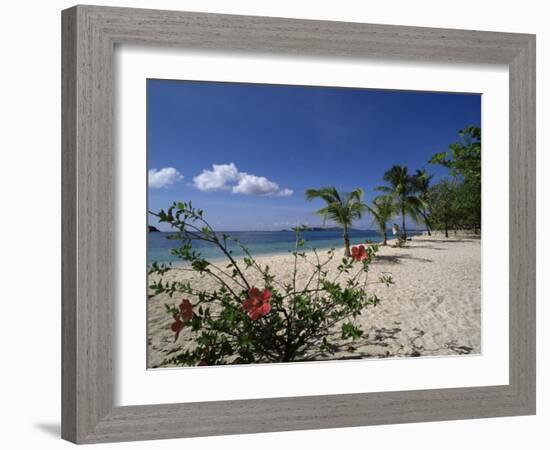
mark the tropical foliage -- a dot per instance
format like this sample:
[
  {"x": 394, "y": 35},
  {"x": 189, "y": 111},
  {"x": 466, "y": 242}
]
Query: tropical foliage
[
  {"x": 401, "y": 189},
  {"x": 266, "y": 320},
  {"x": 382, "y": 210},
  {"x": 444, "y": 211},
  {"x": 452, "y": 203},
  {"x": 464, "y": 156},
  {"x": 341, "y": 208},
  {"x": 421, "y": 181},
  {"x": 464, "y": 161}
]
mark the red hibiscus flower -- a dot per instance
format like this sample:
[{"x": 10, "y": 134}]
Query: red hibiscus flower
[
  {"x": 358, "y": 253},
  {"x": 177, "y": 326},
  {"x": 186, "y": 310},
  {"x": 185, "y": 313},
  {"x": 257, "y": 303}
]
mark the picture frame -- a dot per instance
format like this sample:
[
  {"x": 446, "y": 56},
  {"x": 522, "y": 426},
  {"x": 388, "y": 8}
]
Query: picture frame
[{"x": 90, "y": 34}]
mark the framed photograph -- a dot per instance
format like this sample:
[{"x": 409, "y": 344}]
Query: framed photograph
[{"x": 278, "y": 224}]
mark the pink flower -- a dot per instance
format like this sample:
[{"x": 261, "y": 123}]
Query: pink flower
[
  {"x": 257, "y": 304},
  {"x": 358, "y": 253}
]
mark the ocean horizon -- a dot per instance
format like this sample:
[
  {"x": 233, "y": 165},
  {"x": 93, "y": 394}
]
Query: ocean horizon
[{"x": 259, "y": 243}]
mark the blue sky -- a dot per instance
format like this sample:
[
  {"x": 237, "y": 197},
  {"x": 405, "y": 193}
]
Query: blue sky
[{"x": 245, "y": 153}]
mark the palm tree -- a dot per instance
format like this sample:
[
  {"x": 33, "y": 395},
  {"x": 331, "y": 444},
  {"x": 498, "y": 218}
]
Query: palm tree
[
  {"x": 382, "y": 210},
  {"x": 342, "y": 208},
  {"x": 422, "y": 185},
  {"x": 402, "y": 189}
]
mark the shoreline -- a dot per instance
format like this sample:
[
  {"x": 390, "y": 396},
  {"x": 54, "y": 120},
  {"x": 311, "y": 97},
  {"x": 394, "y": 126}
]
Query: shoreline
[
  {"x": 308, "y": 248},
  {"x": 433, "y": 309},
  {"x": 239, "y": 258}
]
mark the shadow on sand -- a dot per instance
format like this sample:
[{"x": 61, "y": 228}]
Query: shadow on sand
[
  {"x": 396, "y": 259},
  {"x": 450, "y": 240},
  {"x": 379, "y": 339}
]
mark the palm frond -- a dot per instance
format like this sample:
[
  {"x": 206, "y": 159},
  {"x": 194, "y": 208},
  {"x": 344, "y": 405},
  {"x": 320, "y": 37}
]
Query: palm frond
[
  {"x": 328, "y": 193},
  {"x": 384, "y": 189},
  {"x": 341, "y": 207},
  {"x": 355, "y": 195},
  {"x": 356, "y": 210},
  {"x": 409, "y": 193},
  {"x": 382, "y": 210}
]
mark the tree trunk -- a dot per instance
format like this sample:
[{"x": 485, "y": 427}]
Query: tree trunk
[
  {"x": 403, "y": 223},
  {"x": 427, "y": 222},
  {"x": 446, "y": 230},
  {"x": 385, "y": 238},
  {"x": 347, "y": 251}
]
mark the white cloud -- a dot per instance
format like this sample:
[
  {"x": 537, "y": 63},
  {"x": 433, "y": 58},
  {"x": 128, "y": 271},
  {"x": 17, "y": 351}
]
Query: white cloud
[
  {"x": 285, "y": 192},
  {"x": 226, "y": 177},
  {"x": 217, "y": 179},
  {"x": 254, "y": 185},
  {"x": 163, "y": 177}
]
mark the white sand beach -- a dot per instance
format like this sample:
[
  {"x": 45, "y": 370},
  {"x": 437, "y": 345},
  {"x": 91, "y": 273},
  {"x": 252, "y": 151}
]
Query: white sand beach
[{"x": 434, "y": 307}]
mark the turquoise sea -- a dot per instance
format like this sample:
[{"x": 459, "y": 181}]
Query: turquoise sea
[{"x": 258, "y": 242}]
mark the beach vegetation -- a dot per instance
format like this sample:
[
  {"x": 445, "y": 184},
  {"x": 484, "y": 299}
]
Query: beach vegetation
[
  {"x": 444, "y": 201},
  {"x": 401, "y": 188},
  {"x": 342, "y": 208},
  {"x": 422, "y": 183},
  {"x": 382, "y": 210},
  {"x": 464, "y": 156},
  {"x": 463, "y": 159},
  {"x": 359, "y": 253},
  {"x": 252, "y": 316},
  {"x": 452, "y": 203}
]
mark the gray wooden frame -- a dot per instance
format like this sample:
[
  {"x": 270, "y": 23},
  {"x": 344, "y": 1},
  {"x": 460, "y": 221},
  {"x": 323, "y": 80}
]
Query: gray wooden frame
[{"x": 89, "y": 36}]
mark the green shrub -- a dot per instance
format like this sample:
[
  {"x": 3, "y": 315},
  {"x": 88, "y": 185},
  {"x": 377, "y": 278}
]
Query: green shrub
[{"x": 278, "y": 321}]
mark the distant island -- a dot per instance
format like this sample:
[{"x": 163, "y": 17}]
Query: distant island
[
  {"x": 327, "y": 229},
  {"x": 152, "y": 229}
]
